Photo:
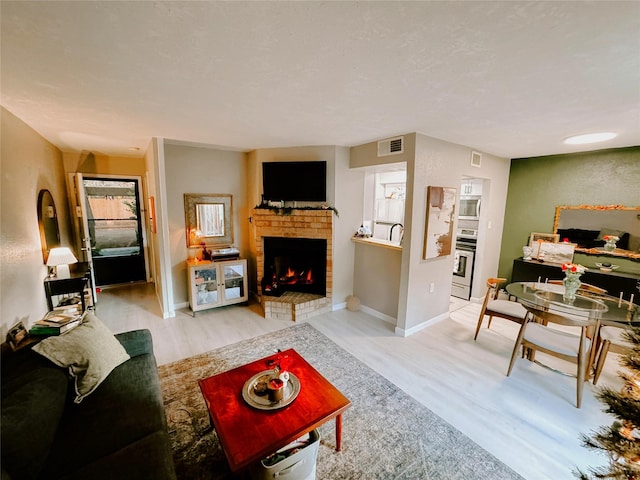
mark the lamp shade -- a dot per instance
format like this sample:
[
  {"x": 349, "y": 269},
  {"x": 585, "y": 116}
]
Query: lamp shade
[{"x": 60, "y": 258}]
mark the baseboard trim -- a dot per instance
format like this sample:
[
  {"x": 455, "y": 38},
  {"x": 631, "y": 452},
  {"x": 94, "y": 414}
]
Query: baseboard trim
[
  {"x": 178, "y": 306},
  {"x": 339, "y": 306},
  {"x": 401, "y": 332},
  {"x": 377, "y": 314}
]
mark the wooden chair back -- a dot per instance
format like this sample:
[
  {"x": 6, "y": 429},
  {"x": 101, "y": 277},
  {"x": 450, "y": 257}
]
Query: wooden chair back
[
  {"x": 610, "y": 339},
  {"x": 554, "y": 341},
  {"x": 494, "y": 307}
]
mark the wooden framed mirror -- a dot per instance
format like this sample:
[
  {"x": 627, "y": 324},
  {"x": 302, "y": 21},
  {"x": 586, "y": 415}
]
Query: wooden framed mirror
[
  {"x": 586, "y": 225},
  {"x": 208, "y": 219},
  {"x": 47, "y": 223}
]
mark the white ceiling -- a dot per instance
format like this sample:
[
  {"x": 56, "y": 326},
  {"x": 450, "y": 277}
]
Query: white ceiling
[{"x": 507, "y": 78}]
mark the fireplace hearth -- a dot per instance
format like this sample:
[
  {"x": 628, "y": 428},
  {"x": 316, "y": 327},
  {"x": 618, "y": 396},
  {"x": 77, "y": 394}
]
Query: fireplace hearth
[{"x": 296, "y": 271}]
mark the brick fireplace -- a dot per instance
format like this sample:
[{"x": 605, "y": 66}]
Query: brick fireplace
[{"x": 296, "y": 303}]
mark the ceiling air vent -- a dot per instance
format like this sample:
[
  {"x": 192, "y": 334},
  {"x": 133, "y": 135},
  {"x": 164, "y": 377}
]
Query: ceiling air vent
[{"x": 391, "y": 146}]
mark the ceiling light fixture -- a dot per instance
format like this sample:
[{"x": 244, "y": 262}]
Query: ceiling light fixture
[{"x": 589, "y": 138}]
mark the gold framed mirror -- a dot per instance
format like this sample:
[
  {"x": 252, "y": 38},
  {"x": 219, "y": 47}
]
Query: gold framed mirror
[
  {"x": 586, "y": 225},
  {"x": 208, "y": 219},
  {"x": 47, "y": 223}
]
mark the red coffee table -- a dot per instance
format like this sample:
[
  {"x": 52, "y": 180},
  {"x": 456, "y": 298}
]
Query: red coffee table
[{"x": 248, "y": 434}]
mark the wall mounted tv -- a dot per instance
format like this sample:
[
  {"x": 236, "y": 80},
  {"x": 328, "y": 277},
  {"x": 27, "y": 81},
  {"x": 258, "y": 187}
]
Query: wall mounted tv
[{"x": 295, "y": 181}]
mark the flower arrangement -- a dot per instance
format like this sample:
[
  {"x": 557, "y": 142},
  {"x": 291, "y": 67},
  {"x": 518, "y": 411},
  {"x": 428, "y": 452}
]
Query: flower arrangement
[
  {"x": 280, "y": 363},
  {"x": 573, "y": 268},
  {"x": 610, "y": 238}
]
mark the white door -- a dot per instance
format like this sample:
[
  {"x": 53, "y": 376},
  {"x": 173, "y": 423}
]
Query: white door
[{"x": 84, "y": 241}]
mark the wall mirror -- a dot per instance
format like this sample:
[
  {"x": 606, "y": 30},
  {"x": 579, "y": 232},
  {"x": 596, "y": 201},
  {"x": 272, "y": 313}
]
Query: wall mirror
[
  {"x": 586, "y": 225},
  {"x": 208, "y": 219},
  {"x": 47, "y": 223}
]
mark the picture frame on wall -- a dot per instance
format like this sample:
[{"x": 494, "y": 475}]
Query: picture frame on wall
[{"x": 440, "y": 215}]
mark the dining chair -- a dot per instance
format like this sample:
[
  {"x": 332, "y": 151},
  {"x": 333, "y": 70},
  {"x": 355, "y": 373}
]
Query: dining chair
[
  {"x": 586, "y": 287},
  {"x": 612, "y": 339},
  {"x": 499, "y": 307},
  {"x": 537, "y": 333}
]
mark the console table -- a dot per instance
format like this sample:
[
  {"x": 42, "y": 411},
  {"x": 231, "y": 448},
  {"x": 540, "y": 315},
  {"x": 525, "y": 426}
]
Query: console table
[{"x": 613, "y": 282}]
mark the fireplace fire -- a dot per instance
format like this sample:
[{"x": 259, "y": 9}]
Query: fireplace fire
[{"x": 294, "y": 264}]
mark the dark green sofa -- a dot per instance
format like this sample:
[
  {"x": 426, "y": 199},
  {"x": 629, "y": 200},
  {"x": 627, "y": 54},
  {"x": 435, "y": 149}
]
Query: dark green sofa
[{"x": 117, "y": 432}]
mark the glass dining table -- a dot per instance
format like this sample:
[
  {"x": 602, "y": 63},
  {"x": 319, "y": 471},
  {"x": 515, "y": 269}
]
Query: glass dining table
[{"x": 549, "y": 297}]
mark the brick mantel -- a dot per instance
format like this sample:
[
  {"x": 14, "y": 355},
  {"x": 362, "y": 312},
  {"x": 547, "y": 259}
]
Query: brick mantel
[{"x": 303, "y": 223}]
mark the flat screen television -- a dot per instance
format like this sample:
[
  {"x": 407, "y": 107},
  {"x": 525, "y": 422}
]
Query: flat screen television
[{"x": 295, "y": 181}]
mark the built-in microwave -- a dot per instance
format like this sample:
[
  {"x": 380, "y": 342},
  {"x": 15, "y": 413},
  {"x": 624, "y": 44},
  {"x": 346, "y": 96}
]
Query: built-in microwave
[{"x": 469, "y": 207}]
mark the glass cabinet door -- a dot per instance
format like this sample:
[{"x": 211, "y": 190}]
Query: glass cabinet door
[
  {"x": 206, "y": 284},
  {"x": 234, "y": 281}
]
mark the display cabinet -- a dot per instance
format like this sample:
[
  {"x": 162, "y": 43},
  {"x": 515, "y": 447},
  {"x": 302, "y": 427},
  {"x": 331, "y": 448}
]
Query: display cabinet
[{"x": 216, "y": 283}]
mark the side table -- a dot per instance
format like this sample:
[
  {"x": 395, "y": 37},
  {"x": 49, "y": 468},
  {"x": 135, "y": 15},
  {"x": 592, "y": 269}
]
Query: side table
[{"x": 79, "y": 280}]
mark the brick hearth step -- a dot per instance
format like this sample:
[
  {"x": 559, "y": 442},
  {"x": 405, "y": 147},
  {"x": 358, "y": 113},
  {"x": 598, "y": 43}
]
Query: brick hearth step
[{"x": 295, "y": 306}]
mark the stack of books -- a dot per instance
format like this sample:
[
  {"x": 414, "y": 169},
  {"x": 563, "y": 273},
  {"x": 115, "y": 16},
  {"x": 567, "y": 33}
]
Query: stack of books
[{"x": 56, "y": 323}]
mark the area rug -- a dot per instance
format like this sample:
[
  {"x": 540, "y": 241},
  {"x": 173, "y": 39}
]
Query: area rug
[{"x": 386, "y": 433}]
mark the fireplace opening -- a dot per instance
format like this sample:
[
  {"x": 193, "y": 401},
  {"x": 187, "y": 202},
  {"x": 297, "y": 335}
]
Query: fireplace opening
[{"x": 294, "y": 265}]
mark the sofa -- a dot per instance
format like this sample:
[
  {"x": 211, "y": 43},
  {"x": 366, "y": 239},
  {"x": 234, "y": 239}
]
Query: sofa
[{"x": 116, "y": 431}]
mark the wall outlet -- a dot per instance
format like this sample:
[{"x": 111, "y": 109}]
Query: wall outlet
[{"x": 432, "y": 287}]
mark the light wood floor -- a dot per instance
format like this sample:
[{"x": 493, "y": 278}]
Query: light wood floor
[{"x": 527, "y": 420}]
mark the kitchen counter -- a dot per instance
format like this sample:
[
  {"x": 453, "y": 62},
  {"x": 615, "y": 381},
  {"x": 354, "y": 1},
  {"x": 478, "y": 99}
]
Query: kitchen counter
[{"x": 378, "y": 242}]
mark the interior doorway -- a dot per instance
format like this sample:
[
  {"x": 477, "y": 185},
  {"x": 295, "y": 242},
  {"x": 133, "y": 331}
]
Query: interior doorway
[{"x": 113, "y": 230}]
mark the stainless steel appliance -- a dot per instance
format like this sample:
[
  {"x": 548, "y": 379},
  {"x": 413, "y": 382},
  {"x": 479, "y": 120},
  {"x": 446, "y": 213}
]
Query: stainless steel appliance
[
  {"x": 463, "y": 264},
  {"x": 470, "y": 207}
]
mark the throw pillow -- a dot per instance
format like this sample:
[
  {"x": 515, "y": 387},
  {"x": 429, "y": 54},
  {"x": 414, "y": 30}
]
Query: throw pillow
[{"x": 89, "y": 351}]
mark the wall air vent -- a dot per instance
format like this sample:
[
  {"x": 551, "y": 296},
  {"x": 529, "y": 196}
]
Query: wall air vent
[
  {"x": 476, "y": 159},
  {"x": 391, "y": 146}
]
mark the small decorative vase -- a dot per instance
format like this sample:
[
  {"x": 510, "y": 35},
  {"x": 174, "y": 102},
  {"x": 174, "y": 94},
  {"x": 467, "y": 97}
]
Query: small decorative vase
[
  {"x": 610, "y": 245},
  {"x": 526, "y": 252},
  {"x": 571, "y": 285}
]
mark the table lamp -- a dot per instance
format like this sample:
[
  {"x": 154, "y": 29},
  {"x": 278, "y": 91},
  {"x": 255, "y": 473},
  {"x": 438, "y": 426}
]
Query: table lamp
[{"x": 60, "y": 258}]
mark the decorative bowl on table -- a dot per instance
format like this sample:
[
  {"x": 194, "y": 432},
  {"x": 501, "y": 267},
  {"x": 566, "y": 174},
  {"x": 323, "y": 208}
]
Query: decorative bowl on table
[
  {"x": 606, "y": 267},
  {"x": 255, "y": 391}
]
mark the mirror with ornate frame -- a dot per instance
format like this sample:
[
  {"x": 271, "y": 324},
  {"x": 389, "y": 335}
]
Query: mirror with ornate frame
[
  {"x": 208, "y": 219},
  {"x": 47, "y": 223},
  {"x": 586, "y": 225}
]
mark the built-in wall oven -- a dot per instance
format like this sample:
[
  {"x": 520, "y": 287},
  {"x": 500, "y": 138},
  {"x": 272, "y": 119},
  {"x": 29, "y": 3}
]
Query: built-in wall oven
[{"x": 463, "y": 264}]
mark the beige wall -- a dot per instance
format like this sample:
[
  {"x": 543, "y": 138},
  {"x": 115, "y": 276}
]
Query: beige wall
[
  {"x": 441, "y": 163},
  {"x": 376, "y": 280},
  {"x": 379, "y": 288},
  {"x": 349, "y": 192},
  {"x": 28, "y": 163},
  {"x": 96, "y": 163},
  {"x": 435, "y": 162},
  {"x": 202, "y": 170},
  {"x": 191, "y": 169}
]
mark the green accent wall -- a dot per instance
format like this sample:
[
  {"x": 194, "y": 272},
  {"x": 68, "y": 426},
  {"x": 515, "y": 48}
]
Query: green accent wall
[{"x": 538, "y": 185}]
